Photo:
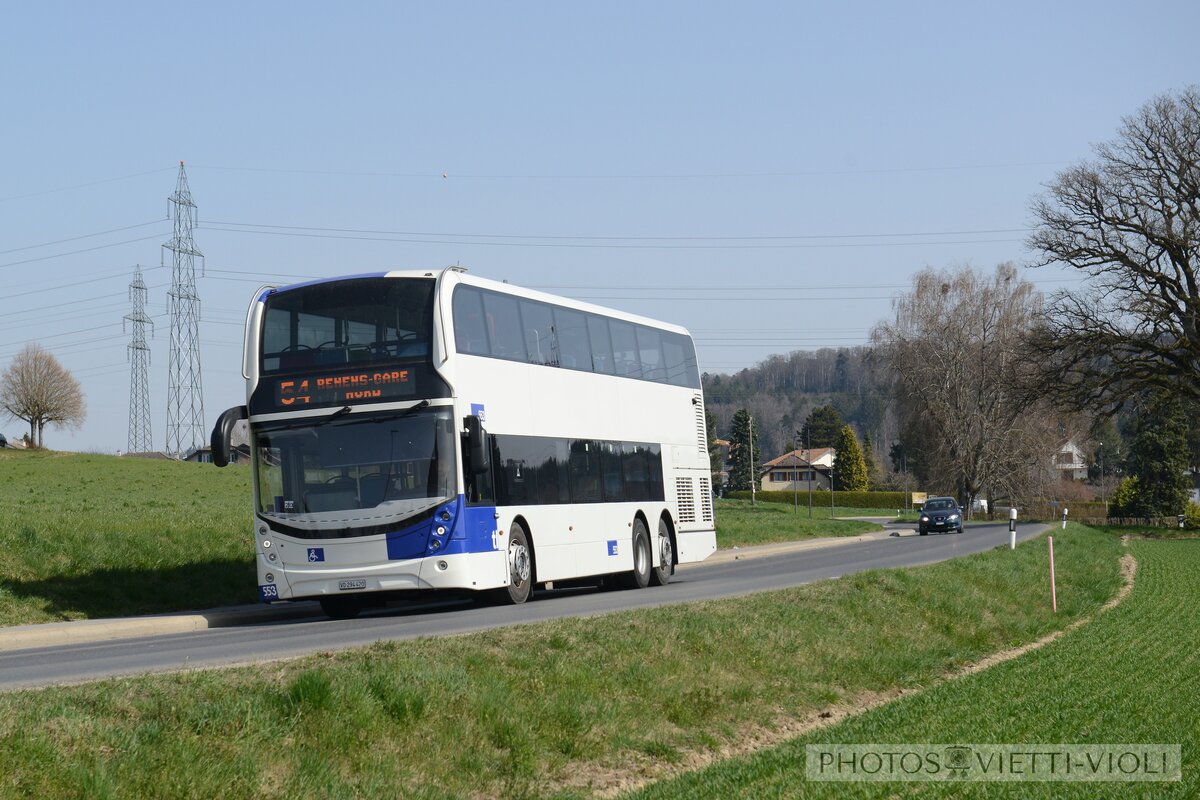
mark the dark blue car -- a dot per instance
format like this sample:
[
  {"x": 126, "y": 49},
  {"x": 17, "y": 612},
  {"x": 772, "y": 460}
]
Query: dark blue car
[{"x": 940, "y": 514}]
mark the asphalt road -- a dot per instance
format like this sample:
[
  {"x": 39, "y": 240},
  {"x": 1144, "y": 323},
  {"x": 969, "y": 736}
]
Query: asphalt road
[{"x": 285, "y": 639}]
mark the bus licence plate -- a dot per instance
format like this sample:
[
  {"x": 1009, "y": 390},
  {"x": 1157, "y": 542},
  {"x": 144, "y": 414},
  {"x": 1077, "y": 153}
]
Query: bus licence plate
[{"x": 356, "y": 583}]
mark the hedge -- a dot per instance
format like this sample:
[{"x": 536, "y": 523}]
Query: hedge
[
  {"x": 1088, "y": 512},
  {"x": 842, "y": 499}
]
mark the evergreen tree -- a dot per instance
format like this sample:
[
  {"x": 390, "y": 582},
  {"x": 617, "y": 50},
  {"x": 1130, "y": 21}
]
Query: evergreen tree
[
  {"x": 868, "y": 451},
  {"x": 849, "y": 468},
  {"x": 714, "y": 451},
  {"x": 743, "y": 452},
  {"x": 821, "y": 428},
  {"x": 1158, "y": 458}
]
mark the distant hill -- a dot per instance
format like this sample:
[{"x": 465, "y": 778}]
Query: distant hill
[{"x": 781, "y": 391}]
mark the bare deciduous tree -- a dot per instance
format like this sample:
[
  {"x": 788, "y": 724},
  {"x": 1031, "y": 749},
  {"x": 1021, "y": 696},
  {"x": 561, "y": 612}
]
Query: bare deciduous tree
[
  {"x": 957, "y": 353},
  {"x": 39, "y": 390},
  {"x": 1130, "y": 220}
]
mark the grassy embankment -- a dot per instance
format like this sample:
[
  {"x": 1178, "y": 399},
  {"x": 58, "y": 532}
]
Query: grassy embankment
[
  {"x": 91, "y": 536},
  {"x": 1128, "y": 677},
  {"x": 560, "y": 708},
  {"x": 99, "y": 536}
]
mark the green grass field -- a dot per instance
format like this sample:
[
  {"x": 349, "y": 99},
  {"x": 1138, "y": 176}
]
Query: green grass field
[
  {"x": 91, "y": 536},
  {"x": 557, "y": 709},
  {"x": 740, "y": 523},
  {"x": 1127, "y": 677},
  {"x": 87, "y": 536}
]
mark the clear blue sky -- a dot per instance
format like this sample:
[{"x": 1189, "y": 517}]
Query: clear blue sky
[{"x": 767, "y": 174}]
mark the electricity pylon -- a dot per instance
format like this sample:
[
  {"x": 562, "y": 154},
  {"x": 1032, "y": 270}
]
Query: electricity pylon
[
  {"x": 185, "y": 395},
  {"x": 141, "y": 437}
]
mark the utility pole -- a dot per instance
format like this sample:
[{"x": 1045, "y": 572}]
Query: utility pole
[
  {"x": 812, "y": 472},
  {"x": 796, "y": 479},
  {"x": 832, "y": 466},
  {"x": 141, "y": 436},
  {"x": 753, "y": 469},
  {"x": 185, "y": 394}
]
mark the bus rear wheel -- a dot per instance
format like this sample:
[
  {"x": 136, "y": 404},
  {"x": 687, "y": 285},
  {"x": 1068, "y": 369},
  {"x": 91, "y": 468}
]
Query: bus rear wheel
[
  {"x": 639, "y": 578},
  {"x": 661, "y": 575},
  {"x": 520, "y": 568}
]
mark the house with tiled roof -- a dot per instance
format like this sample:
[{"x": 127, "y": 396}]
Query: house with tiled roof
[{"x": 798, "y": 471}]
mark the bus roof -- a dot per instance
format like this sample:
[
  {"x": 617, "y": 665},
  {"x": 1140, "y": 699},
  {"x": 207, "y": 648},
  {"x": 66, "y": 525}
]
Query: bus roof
[
  {"x": 460, "y": 275},
  {"x": 546, "y": 297}
]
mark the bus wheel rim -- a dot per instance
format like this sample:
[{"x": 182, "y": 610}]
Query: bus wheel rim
[{"x": 518, "y": 562}]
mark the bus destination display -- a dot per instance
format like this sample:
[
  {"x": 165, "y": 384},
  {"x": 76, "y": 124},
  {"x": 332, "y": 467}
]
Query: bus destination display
[{"x": 338, "y": 388}]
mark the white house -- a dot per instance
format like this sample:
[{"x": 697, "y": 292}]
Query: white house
[
  {"x": 798, "y": 470},
  {"x": 1070, "y": 462}
]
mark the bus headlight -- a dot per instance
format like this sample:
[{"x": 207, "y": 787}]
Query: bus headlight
[
  {"x": 266, "y": 544},
  {"x": 441, "y": 530}
]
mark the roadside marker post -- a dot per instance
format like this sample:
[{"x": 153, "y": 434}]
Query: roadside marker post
[
  {"x": 1012, "y": 529},
  {"x": 1064, "y": 525},
  {"x": 1053, "y": 592}
]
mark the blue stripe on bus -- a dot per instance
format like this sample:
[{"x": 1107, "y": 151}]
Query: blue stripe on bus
[{"x": 468, "y": 529}]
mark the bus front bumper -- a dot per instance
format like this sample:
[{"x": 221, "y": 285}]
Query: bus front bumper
[{"x": 474, "y": 571}]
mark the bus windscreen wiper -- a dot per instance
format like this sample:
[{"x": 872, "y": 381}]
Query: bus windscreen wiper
[{"x": 341, "y": 412}]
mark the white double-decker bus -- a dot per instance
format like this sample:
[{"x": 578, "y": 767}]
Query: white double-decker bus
[{"x": 419, "y": 430}]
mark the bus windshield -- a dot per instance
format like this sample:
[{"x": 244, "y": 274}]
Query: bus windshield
[
  {"x": 354, "y": 474},
  {"x": 348, "y": 323}
]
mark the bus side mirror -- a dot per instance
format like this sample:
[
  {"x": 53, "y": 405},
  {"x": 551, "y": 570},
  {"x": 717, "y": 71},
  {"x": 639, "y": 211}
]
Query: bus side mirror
[
  {"x": 477, "y": 449},
  {"x": 223, "y": 432}
]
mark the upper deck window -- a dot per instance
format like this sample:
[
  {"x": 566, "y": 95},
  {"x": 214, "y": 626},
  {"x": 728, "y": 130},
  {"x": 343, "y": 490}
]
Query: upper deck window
[
  {"x": 498, "y": 325},
  {"x": 352, "y": 322}
]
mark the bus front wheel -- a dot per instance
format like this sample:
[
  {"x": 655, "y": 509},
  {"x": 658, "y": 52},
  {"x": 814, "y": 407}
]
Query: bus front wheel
[
  {"x": 639, "y": 578},
  {"x": 520, "y": 568}
]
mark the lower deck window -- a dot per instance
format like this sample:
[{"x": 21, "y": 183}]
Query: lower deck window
[{"x": 539, "y": 470}]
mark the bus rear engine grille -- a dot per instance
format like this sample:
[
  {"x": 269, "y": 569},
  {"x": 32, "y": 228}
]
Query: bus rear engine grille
[{"x": 686, "y": 499}]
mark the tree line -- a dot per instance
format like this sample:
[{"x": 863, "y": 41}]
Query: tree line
[{"x": 977, "y": 379}]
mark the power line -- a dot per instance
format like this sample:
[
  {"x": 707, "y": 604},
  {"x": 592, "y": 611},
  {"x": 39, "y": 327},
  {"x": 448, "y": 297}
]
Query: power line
[
  {"x": 83, "y": 185},
  {"x": 401, "y": 239},
  {"x": 82, "y": 236},
  {"x": 77, "y": 252},
  {"x": 446, "y": 175},
  {"x": 58, "y": 306},
  {"x": 75, "y": 316},
  {"x": 754, "y": 299},
  {"x": 771, "y": 237},
  {"x": 72, "y": 284}
]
